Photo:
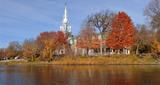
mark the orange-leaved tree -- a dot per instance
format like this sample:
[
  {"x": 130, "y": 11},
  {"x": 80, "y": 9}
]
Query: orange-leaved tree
[
  {"x": 95, "y": 42},
  {"x": 123, "y": 32},
  {"x": 49, "y": 42},
  {"x": 85, "y": 38}
]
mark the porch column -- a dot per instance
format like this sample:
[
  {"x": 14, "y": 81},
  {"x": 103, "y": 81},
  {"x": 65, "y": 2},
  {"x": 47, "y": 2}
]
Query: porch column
[
  {"x": 128, "y": 51},
  {"x": 111, "y": 51},
  {"x": 83, "y": 51}
]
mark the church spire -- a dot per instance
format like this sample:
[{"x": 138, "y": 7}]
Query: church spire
[
  {"x": 65, "y": 27},
  {"x": 65, "y": 12}
]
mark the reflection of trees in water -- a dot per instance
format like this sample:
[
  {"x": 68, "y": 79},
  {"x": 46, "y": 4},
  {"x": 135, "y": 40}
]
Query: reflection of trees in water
[
  {"x": 81, "y": 75},
  {"x": 112, "y": 75}
]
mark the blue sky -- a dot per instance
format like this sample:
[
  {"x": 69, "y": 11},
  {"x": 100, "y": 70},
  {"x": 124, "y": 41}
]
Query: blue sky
[{"x": 25, "y": 19}]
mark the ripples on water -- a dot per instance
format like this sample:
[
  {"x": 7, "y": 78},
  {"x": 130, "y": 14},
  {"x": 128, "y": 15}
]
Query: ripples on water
[{"x": 79, "y": 75}]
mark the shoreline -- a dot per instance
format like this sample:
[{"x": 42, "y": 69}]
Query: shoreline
[
  {"x": 50, "y": 63},
  {"x": 115, "y": 60}
]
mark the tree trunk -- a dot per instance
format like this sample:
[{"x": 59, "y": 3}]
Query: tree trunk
[
  {"x": 87, "y": 51},
  {"x": 32, "y": 58},
  {"x": 50, "y": 56},
  {"x": 101, "y": 45},
  {"x": 137, "y": 49}
]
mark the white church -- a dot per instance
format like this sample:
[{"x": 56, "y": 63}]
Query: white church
[{"x": 66, "y": 29}]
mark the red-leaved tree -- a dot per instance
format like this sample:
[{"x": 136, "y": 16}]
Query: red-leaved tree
[{"x": 123, "y": 32}]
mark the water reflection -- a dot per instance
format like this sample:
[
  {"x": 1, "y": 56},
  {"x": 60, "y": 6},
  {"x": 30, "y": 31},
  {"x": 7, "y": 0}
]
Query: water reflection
[{"x": 79, "y": 75}]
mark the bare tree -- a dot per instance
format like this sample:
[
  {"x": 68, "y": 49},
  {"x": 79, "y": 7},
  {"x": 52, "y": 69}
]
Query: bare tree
[
  {"x": 101, "y": 21},
  {"x": 152, "y": 11},
  {"x": 13, "y": 49}
]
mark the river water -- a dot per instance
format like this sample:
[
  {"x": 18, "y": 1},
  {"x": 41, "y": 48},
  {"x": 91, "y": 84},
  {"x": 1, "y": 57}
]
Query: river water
[{"x": 79, "y": 75}]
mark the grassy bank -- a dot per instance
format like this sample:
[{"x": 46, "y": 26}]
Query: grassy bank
[
  {"x": 24, "y": 63},
  {"x": 114, "y": 60},
  {"x": 105, "y": 60}
]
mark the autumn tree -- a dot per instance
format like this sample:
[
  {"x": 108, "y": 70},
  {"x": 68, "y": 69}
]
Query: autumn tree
[
  {"x": 142, "y": 39},
  {"x": 49, "y": 41},
  {"x": 102, "y": 22},
  {"x": 13, "y": 50},
  {"x": 95, "y": 44},
  {"x": 2, "y": 53},
  {"x": 85, "y": 38},
  {"x": 157, "y": 35},
  {"x": 62, "y": 39},
  {"x": 30, "y": 49},
  {"x": 122, "y": 34},
  {"x": 155, "y": 46}
]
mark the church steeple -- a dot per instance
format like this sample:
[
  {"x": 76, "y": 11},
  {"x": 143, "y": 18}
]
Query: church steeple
[
  {"x": 65, "y": 14},
  {"x": 65, "y": 27}
]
